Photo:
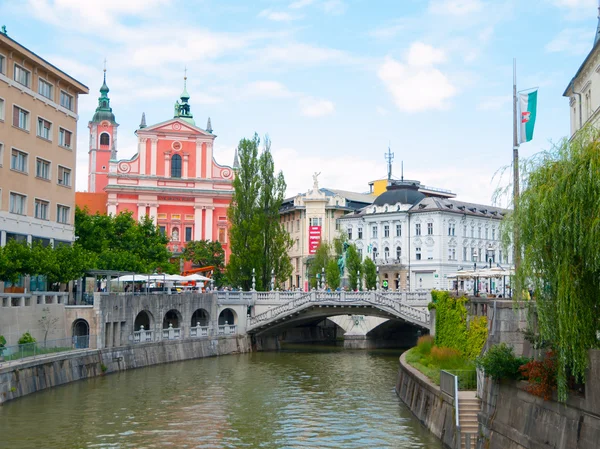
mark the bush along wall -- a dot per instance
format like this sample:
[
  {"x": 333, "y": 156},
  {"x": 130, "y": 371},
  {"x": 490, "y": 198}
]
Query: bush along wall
[{"x": 453, "y": 329}]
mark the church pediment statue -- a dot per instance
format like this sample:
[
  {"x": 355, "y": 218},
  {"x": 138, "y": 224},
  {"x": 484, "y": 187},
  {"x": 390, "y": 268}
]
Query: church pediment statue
[{"x": 316, "y": 181}]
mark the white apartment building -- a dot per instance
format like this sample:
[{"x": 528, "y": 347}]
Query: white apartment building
[{"x": 418, "y": 236}]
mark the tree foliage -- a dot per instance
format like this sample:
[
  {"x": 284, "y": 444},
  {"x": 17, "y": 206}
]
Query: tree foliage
[
  {"x": 205, "y": 253},
  {"x": 318, "y": 263},
  {"x": 332, "y": 272},
  {"x": 258, "y": 240},
  {"x": 354, "y": 266},
  {"x": 370, "y": 270},
  {"x": 558, "y": 225}
]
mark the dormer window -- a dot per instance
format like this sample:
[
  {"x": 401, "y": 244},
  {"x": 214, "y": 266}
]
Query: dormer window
[{"x": 176, "y": 166}]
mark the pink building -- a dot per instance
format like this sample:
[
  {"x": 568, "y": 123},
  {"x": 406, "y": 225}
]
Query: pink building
[{"x": 173, "y": 178}]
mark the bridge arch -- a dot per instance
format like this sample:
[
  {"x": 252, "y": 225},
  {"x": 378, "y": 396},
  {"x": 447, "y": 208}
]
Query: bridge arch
[
  {"x": 172, "y": 317},
  {"x": 143, "y": 318},
  {"x": 200, "y": 316},
  {"x": 81, "y": 333},
  {"x": 227, "y": 316}
]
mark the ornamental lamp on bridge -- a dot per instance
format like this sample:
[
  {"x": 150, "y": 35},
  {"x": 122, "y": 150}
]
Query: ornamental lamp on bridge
[{"x": 377, "y": 282}]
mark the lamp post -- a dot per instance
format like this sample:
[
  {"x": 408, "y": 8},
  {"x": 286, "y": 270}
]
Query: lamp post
[
  {"x": 475, "y": 279},
  {"x": 322, "y": 278},
  {"x": 272, "y": 279},
  {"x": 358, "y": 281},
  {"x": 377, "y": 283},
  {"x": 253, "y": 279}
]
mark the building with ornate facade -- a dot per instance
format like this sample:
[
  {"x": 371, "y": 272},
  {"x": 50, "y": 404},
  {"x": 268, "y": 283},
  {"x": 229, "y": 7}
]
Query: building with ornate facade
[
  {"x": 313, "y": 217},
  {"x": 418, "y": 236},
  {"x": 584, "y": 89},
  {"x": 173, "y": 178}
]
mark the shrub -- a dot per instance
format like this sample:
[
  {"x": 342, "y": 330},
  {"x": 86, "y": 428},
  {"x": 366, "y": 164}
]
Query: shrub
[
  {"x": 476, "y": 337},
  {"x": 450, "y": 321},
  {"x": 541, "y": 376},
  {"x": 26, "y": 338},
  {"x": 2, "y": 341},
  {"x": 446, "y": 358},
  {"x": 500, "y": 362},
  {"x": 424, "y": 344}
]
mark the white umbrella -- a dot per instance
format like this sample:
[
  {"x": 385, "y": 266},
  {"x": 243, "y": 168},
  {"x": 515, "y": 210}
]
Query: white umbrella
[
  {"x": 196, "y": 277},
  {"x": 175, "y": 277}
]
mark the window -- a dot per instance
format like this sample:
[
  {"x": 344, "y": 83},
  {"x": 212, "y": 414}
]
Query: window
[
  {"x": 472, "y": 232},
  {"x": 374, "y": 254},
  {"x": 398, "y": 253},
  {"x": 44, "y": 129},
  {"x": 18, "y": 161},
  {"x": 480, "y": 258},
  {"x": 297, "y": 225},
  {"x": 297, "y": 243},
  {"x": 2, "y": 64},
  {"x": 18, "y": 203},
  {"x": 360, "y": 253},
  {"x": 41, "y": 209},
  {"x": 429, "y": 254},
  {"x": 62, "y": 214},
  {"x": 20, "y": 118},
  {"x": 349, "y": 233},
  {"x": 42, "y": 169},
  {"x": 500, "y": 256},
  {"x": 188, "y": 234},
  {"x": 465, "y": 230},
  {"x": 374, "y": 232},
  {"x": 64, "y": 138},
  {"x": 493, "y": 233},
  {"x": 22, "y": 76},
  {"x": 163, "y": 230},
  {"x": 64, "y": 176},
  {"x": 486, "y": 233},
  {"x": 105, "y": 139},
  {"x": 386, "y": 231},
  {"x": 386, "y": 253},
  {"x": 337, "y": 223},
  {"x": 398, "y": 230},
  {"x": 1, "y": 109},
  {"x": 479, "y": 232},
  {"x": 429, "y": 228},
  {"x": 221, "y": 236},
  {"x": 451, "y": 254},
  {"x": 464, "y": 253},
  {"x": 314, "y": 221},
  {"x": 451, "y": 228},
  {"x": 45, "y": 88},
  {"x": 418, "y": 253},
  {"x": 176, "y": 166},
  {"x": 418, "y": 229},
  {"x": 474, "y": 255},
  {"x": 1, "y": 153},
  {"x": 359, "y": 233},
  {"x": 66, "y": 100}
]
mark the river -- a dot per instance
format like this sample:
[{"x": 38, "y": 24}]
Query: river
[{"x": 300, "y": 397}]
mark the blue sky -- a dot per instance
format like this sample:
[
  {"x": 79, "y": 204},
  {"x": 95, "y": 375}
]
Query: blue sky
[{"x": 331, "y": 81}]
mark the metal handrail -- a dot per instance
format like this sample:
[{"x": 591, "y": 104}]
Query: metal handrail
[{"x": 39, "y": 348}]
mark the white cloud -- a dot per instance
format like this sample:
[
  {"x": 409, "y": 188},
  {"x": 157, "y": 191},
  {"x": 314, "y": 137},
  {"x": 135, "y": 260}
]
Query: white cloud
[
  {"x": 334, "y": 7},
  {"x": 302, "y": 54},
  {"x": 494, "y": 102},
  {"x": 381, "y": 111},
  {"x": 575, "y": 41},
  {"x": 301, "y": 4},
  {"x": 277, "y": 16},
  {"x": 455, "y": 7},
  {"x": 316, "y": 107},
  {"x": 587, "y": 4},
  {"x": 423, "y": 55},
  {"x": 417, "y": 85},
  {"x": 272, "y": 89}
]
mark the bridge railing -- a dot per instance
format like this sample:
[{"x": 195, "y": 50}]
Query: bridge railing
[
  {"x": 227, "y": 329},
  {"x": 199, "y": 331},
  {"x": 143, "y": 335},
  {"x": 171, "y": 333}
]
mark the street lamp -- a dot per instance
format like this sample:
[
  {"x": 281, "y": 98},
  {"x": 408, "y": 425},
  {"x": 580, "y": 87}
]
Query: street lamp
[
  {"x": 272, "y": 279},
  {"x": 253, "y": 279},
  {"x": 377, "y": 284},
  {"x": 322, "y": 278},
  {"x": 358, "y": 280}
]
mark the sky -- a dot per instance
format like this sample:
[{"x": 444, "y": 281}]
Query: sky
[{"x": 332, "y": 82}]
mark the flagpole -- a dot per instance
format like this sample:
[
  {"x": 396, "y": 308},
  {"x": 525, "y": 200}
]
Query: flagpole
[{"x": 516, "y": 251}]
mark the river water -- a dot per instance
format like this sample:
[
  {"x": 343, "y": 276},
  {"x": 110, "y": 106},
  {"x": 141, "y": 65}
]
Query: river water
[{"x": 301, "y": 397}]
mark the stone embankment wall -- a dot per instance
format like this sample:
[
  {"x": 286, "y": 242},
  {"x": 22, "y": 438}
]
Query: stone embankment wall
[
  {"x": 26, "y": 377},
  {"x": 432, "y": 407},
  {"x": 511, "y": 418}
]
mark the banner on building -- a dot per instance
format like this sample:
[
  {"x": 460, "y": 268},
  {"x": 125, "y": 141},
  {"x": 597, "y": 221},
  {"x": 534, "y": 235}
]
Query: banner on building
[
  {"x": 314, "y": 238},
  {"x": 528, "y": 107}
]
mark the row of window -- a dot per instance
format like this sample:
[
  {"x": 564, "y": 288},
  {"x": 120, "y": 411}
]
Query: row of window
[
  {"x": 46, "y": 89},
  {"x": 451, "y": 231},
  {"x": 19, "y": 161},
  {"x": 21, "y": 119},
  {"x": 476, "y": 254},
  {"x": 175, "y": 237},
  {"x": 18, "y": 205}
]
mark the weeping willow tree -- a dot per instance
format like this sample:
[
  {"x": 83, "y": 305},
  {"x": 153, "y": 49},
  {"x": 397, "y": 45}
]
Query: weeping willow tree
[{"x": 558, "y": 221}]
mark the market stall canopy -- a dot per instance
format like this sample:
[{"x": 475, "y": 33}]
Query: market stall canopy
[{"x": 196, "y": 277}]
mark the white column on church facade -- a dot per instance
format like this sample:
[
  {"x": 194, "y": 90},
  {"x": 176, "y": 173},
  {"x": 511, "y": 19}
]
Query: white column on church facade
[
  {"x": 167, "y": 164},
  {"x": 208, "y": 223},
  {"x": 142, "y": 153},
  {"x": 154, "y": 212},
  {"x": 153, "y": 156},
  {"x": 141, "y": 211},
  {"x": 186, "y": 162},
  {"x": 198, "y": 159},
  {"x": 198, "y": 222},
  {"x": 208, "y": 160}
]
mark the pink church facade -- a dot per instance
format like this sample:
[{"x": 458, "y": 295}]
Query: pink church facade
[{"x": 174, "y": 178}]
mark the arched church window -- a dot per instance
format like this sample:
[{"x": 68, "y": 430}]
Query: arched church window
[
  {"x": 176, "y": 166},
  {"x": 104, "y": 139}
]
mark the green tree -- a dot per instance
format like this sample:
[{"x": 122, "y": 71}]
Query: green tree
[
  {"x": 318, "y": 263},
  {"x": 332, "y": 272},
  {"x": 258, "y": 240},
  {"x": 15, "y": 261},
  {"x": 244, "y": 217},
  {"x": 354, "y": 266},
  {"x": 558, "y": 227},
  {"x": 370, "y": 274},
  {"x": 204, "y": 253}
]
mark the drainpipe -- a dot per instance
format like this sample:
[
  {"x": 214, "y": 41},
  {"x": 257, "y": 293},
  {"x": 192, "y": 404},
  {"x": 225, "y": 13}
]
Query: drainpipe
[{"x": 579, "y": 95}]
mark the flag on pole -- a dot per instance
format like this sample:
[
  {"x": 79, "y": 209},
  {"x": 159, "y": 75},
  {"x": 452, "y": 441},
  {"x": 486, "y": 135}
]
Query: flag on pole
[{"x": 528, "y": 109}]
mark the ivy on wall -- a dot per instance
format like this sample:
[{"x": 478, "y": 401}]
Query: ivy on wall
[{"x": 453, "y": 330}]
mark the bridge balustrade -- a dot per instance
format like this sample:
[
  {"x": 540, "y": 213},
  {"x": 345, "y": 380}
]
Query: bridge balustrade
[
  {"x": 227, "y": 329},
  {"x": 143, "y": 335},
  {"x": 199, "y": 331},
  {"x": 172, "y": 333}
]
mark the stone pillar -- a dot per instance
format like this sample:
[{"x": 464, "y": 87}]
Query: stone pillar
[
  {"x": 2, "y": 238},
  {"x": 167, "y": 164},
  {"x": 198, "y": 159},
  {"x": 186, "y": 163},
  {"x": 208, "y": 224},
  {"x": 154, "y": 213},
  {"x": 197, "y": 222},
  {"x": 142, "y": 153},
  {"x": 153, "y": 155},
  {"x": 208, "y": 161},
  {"x": 141, "y": 211}
]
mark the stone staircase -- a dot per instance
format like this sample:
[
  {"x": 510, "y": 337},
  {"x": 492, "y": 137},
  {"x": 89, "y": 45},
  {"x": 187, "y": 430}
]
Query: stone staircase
[{"x": 469, "y": 405}]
